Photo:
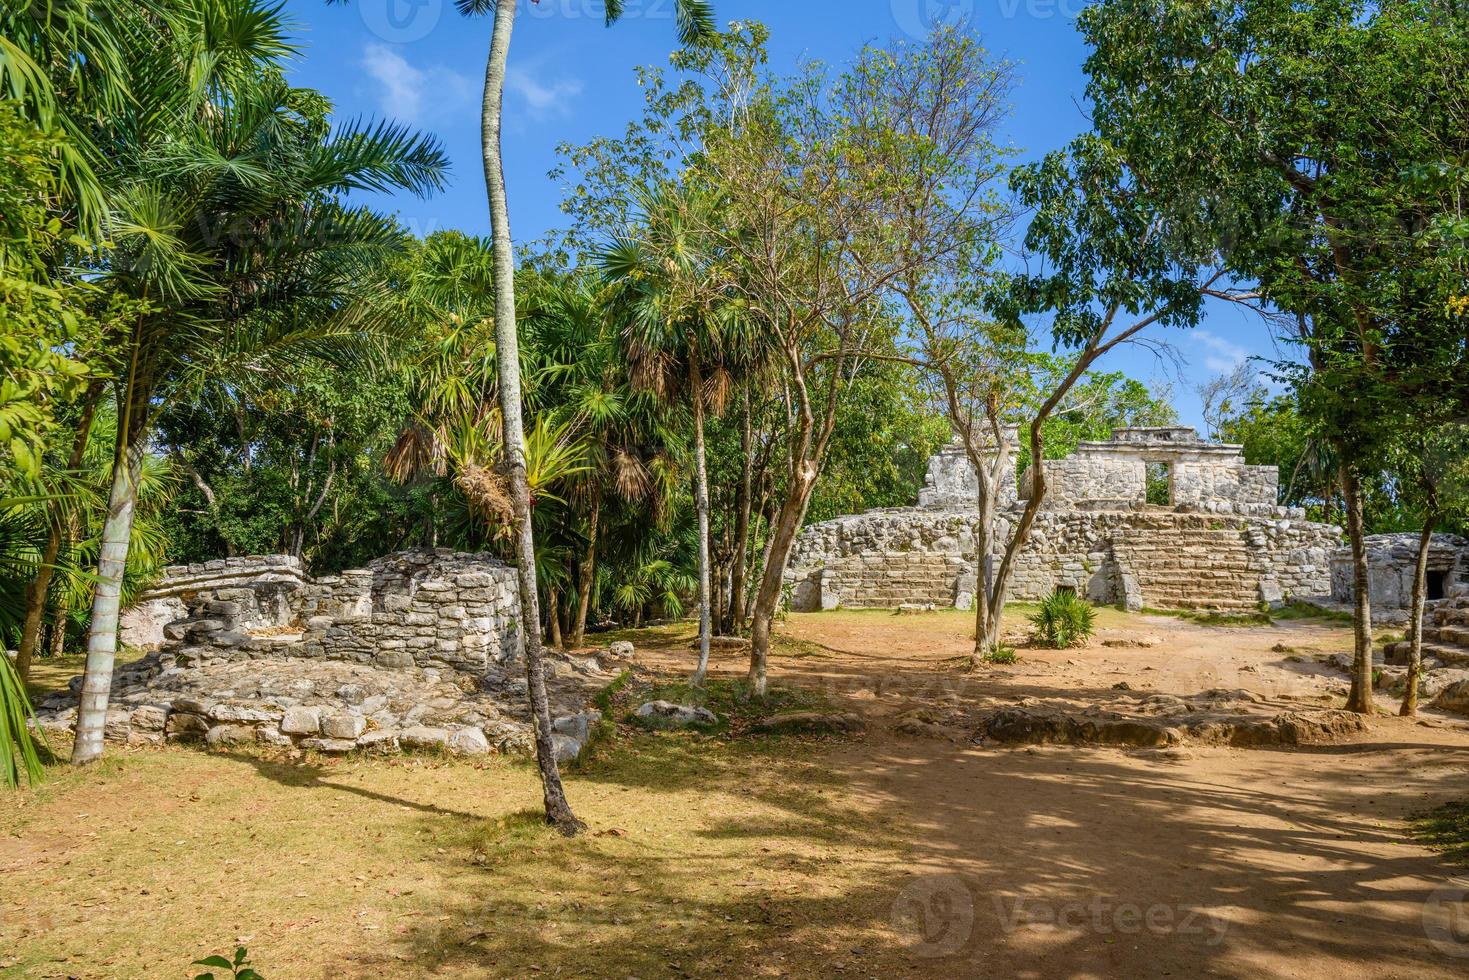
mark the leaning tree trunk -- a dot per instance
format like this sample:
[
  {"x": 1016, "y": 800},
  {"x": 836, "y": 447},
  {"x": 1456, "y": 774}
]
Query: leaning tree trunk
[
  {"x": 1360, "y": 698},
  {"x": 586, "y": 572},
  {"x": 701, "y": 506},
  {"x": 1415, "y": 618},
  {"x": 36, "y": 592},
  {"x": 107, "y": 598},
  {"x": 507, "y": 362},
  {"x": 782, "y": 538}
]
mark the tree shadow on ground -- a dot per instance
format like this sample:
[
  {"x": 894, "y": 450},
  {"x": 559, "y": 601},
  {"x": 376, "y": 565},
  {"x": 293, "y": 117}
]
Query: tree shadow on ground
[{"x": 1058, "y": 863}]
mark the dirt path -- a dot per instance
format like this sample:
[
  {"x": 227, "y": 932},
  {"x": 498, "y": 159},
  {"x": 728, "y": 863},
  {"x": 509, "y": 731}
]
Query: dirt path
[{"x": 1067, "y": 862}]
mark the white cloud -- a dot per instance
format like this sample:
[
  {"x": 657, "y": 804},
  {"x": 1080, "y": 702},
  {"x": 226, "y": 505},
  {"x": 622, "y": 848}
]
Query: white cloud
[
  {"x": 542, "y": 99},
  {"x": 1221, "y": 356},
  {"x": 411, "y": 94}
]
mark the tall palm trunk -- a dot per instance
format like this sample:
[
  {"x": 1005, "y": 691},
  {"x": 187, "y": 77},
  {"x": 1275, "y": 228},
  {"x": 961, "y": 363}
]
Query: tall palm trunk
[
  {"x": 507, "y": 362},
  {"x": 701, "y": 505},
  {"x": 1360, "y": 698},
  {"x": 1415, "y": 616},
  {"x": 30, "y": 636},
  {"x": 586, "y": 572},
  {"x": 107, "y": 598}
]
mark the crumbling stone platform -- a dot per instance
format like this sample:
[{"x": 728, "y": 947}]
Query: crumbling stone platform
[
  {"x": 419, "y": 649},
  {"x": 1237, "y": 719}
]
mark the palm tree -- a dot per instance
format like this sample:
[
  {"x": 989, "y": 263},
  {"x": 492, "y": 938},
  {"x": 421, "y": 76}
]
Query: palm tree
[
  {"x": 683, "y": 332},
  {"x": 231, "y": 240},
  {"x": 579, "y": 374},
  {"x": 695, "y": 20}
]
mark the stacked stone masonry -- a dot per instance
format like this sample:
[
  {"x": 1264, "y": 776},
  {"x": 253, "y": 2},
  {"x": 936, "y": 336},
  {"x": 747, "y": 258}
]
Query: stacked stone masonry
[
  {"x": 1222, "y": 544},
  {"x": 421, "y": 649},
  {"x": 430, "y": 608}
]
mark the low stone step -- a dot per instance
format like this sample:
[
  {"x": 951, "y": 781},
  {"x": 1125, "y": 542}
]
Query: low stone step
[
  {"x": 1457, "y": 636},
  {"x": 1397, "y": 653}
]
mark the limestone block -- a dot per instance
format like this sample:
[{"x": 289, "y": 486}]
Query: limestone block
[
  {"x": 424, "y": 737},
  {"x": 342, "y": 724},
  {"x": 468, "y": 741},
  {"x": 301, "y": 721},
  {"x": 329, "y": 746},
  {"x": 225, "y": 735}
]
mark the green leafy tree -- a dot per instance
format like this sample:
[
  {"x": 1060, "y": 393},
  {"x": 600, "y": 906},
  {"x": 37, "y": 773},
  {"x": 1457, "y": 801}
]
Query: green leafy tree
[
  {"x": 225, "y": 197},
  {"x": 1323, "y": 139}
]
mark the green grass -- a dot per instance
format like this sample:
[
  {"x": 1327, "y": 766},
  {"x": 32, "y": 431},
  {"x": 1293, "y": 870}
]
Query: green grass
[
  {"x": 1304, "y": 610},
  {"x": 1446, "y": 830},
  {"x": 1208, "y": 618}
]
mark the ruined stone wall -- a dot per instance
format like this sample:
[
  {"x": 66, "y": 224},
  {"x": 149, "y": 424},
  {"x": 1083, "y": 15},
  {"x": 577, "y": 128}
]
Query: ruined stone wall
[
  {"x": 1090, "y": 478},
  {"x": 1154, "y": 558},
  {"x": 259, "y": 585},
  {"x": 951, "y": 483},
  {"x": 1392, "y": 564},
  {"x": 418, "y": 608}
]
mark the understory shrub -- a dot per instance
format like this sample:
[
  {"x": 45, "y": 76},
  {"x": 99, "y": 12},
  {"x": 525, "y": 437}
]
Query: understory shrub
[{"x": 1064, "y": 620}]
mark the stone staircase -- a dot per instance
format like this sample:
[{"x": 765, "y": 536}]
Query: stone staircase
[
  {"x": 1445, "y": 634},
  {"x": 1191, "y": 568}
]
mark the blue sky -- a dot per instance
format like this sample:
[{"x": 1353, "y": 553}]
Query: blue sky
[{"x": 571, "y": 78}]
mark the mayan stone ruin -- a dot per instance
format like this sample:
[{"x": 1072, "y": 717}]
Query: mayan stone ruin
[
  {"x": 420, "y": 649},
  {"x": 1220, "y": 542}
]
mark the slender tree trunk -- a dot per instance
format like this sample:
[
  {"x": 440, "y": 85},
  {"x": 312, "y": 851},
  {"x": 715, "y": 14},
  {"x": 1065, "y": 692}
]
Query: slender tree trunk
[
  {"x": 507, "y": 361},
  {"x": 1415, "y": 617},
  {"x": 701, "y": 506},
  {"x": 1360, "y": 698},
  {"x": 734, "y": 611},
  {"x": 107, "y": 598},
  {"x": 553, "y": 622},
  {"x": 35, "y": 608},
  {"x": 757, "y": 566},
  {"x": 772, "y": 582},
  {"x": 586, "y": 571},
  {"x": 59, "y": 616}
]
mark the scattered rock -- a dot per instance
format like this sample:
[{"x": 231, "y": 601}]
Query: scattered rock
[
  {"x": 578, "y": 726},
  {"x": 468, "y": 741},
  {"x": 1454, "y": 697},
  {"x": 622, "y": 650},
  {"x": 564, "y": 748}
]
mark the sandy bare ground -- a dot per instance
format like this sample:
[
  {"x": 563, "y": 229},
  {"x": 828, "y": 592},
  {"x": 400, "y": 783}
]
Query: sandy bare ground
[
  {"x": 1083, "y": 862},
  {"x": 882, "y": 855}
]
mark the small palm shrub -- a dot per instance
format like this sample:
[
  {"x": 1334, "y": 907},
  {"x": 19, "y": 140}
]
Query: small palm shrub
[{"x": 1064, "y": 620}]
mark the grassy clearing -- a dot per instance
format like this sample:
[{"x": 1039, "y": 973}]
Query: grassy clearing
[
  {"x": 1203, "y": 617},
  {"x": 1446, "y": 829},
  {"x": 703, "y": 854},
  {"x": 51, "y": 674}
]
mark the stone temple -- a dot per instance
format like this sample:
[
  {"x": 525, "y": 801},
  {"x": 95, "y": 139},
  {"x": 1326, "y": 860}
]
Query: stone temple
[{"x": 1214, "y": 536}]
